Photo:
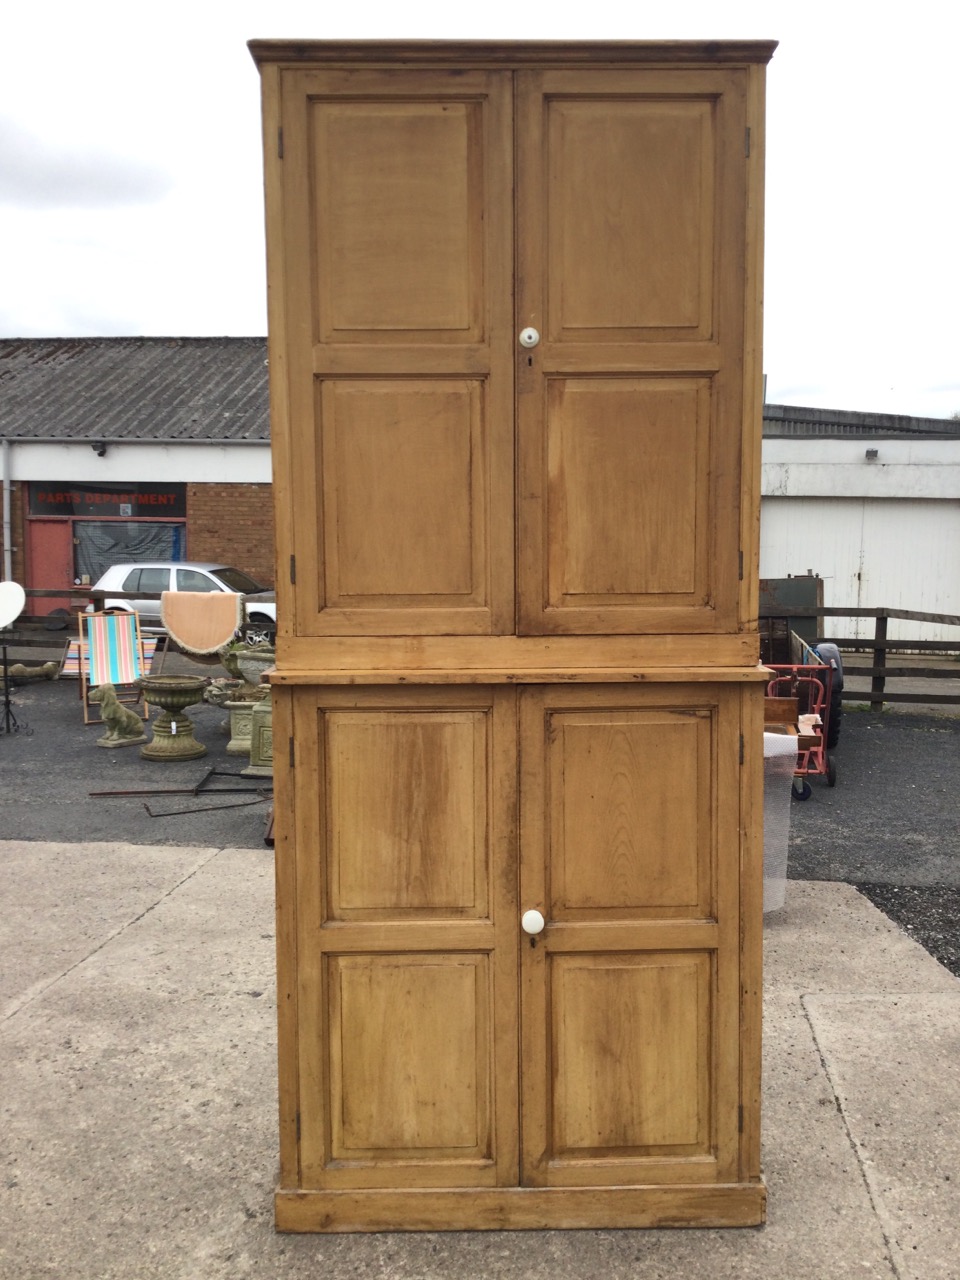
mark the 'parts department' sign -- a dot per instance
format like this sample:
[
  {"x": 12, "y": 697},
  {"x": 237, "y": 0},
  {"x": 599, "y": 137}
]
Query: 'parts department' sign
[{"x": 109, "y": 500}]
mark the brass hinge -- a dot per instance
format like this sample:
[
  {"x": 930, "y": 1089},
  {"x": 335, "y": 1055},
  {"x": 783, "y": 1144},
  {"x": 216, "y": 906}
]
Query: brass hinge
[
  {"x": 280, "y": 143},
  {"x": 293, "y": 753},
  {"x": 741, "y": 748},
  {"x": 739, "y": 1121},
  {"x": 746, "y": 142},
  {"x": 741, "y": 566},
  {"x": 298, "y": 1123},
  {"x": 293, "y": 569}
]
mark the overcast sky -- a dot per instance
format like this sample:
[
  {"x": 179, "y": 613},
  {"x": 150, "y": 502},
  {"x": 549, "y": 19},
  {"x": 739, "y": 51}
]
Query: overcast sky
[{"x": 130, "y": 171}]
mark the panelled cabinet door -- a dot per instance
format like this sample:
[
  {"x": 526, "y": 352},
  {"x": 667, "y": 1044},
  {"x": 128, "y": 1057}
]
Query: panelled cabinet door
[
  {"x": 397, "y": 267},
  {"x": 629, "y": 1008},
  {"x": 631, "y": 244},
  {"x": 407, "y": 938}
]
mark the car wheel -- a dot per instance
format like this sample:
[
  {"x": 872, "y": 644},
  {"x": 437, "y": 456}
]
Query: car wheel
[{"x": 259, "y": 629}]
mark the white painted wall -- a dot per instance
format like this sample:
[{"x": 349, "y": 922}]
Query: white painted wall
[
  {"x": 920, "y": 468},
  {"x": 885, "y": 532},
  {"x": 128, "y": 463}
]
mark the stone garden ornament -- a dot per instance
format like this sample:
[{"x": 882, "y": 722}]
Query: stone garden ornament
[{"x": 124, "y": 727}]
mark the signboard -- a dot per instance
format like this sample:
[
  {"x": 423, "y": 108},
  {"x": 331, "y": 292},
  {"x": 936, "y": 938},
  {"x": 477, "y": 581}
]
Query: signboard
[{"x": 125, "y": 501}]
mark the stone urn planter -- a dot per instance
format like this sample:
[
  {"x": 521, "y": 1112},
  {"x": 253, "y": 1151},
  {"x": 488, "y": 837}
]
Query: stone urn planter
[
  {"x": 173, "y": 730},
  {"x": 253, "y": 661}
]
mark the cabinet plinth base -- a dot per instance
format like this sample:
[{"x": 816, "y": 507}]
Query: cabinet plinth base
[{"x": 522, "y": 1208}]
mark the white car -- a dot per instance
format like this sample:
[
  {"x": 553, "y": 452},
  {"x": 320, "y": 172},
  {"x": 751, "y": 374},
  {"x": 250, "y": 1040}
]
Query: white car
[{"x": 155, "y": 576}]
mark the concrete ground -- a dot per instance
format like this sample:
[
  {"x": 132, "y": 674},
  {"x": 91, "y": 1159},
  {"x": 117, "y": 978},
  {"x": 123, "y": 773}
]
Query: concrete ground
[
  {"x": 138, "y": 1100},
  {"x": 137, "y": 1044}
]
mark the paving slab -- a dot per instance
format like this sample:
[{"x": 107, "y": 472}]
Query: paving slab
[
  {"x": 139, "y": 1099},
  {"x": 62, "y": 902},
  {"x": 830, "y": 938},
  {"x": 893, "y": 1065}
]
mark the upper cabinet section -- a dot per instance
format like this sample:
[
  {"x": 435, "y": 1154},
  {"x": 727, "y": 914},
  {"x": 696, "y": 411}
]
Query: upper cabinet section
[{"x": 426, "y": 204}]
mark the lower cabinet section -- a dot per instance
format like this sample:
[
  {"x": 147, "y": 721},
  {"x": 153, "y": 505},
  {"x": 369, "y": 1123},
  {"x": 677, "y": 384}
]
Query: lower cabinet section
[{"x": 441, "y": 1065}]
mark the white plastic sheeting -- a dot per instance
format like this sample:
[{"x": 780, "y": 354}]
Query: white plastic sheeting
[{"x": 779, "y": 763}]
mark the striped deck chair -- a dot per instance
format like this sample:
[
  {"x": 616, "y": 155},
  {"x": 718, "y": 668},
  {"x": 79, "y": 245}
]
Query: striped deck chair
[
  {"x": 74, "y": 661},
  {"x": 74, "y": 658},
  {"x": 111, "y": 652}
]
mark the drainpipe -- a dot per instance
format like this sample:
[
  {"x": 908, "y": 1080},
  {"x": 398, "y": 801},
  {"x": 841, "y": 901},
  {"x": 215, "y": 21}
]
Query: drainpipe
[{"x": 7, "y": 548}]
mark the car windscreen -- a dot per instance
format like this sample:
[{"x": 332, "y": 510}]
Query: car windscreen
[{"x": 236, "y": 580}]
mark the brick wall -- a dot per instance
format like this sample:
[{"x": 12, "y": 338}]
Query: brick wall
[{"x": 232, "y": 523}]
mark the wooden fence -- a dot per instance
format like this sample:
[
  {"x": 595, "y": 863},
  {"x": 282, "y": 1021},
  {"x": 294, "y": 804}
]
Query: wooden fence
[
  {"x": 881, "y": 648},
  {"x": 40, "y": 630}
]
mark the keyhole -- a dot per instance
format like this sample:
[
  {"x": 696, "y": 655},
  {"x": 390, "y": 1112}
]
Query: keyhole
[
  {"x": 530, "y": 362},
  {"x": 533, "y": 941}
]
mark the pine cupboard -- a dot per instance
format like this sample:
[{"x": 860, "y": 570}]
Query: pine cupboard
[{"x": 514, "y": 353}]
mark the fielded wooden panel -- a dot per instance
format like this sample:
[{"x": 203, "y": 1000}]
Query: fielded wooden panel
[
  {"x": 632, "y": 1055},
  {"x": 630, "y": 848},
  {"x": 406, "y": 936},
  {"x": 402, "y": 493},
  {"x": 398, "y": 246},
  {"x": 410, "y": 1041},
  {"x": 631, "y": 807},
  {"x": 618, "y": 526},
  {"x": 646, "y": 166},
  {"x": 407, "y": 813},
  {"x": 397, "y": 271},
  {"x": 631, "y": 241}
]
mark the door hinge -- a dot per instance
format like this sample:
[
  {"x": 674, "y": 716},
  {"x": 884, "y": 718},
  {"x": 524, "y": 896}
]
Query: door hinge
[
  {"x": 293, "y": 569},
  {"x": 741, "y": 748},
  {"x": 292, "y": 752},
  {"x": 739, "y": 1120},
  {"x": 298, "y": 1124},
  {"x": 746, "y": 142},
  {"x": 280, "y": 143},
  {"x": 741, "y": 566}
]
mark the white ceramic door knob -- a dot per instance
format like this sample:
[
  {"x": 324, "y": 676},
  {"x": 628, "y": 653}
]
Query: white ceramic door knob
[
  {"x": 529, "y": 337},
  {"x": 532, "y": 922}
]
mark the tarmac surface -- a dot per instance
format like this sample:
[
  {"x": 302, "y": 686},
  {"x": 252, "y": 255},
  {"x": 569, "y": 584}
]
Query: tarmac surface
[
  {"x": 137, "y": 1035},
  {"x": 51, "y": 764}
]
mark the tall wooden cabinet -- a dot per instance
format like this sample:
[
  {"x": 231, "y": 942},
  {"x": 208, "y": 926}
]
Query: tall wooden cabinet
[{"x": 514, "y": 358}]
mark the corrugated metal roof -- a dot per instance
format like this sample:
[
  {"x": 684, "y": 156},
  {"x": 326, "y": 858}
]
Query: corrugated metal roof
[
  {"x": 795, "y": 420},
  {"x": 215, "y": 389},
  {"x": 158, "y": 389}
]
